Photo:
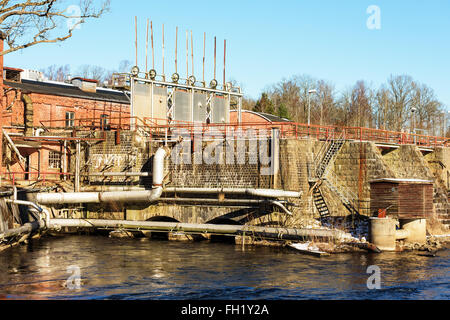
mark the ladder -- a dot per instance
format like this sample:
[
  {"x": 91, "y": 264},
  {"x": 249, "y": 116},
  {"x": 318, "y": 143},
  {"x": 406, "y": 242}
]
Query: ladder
[
  {"x": 317, "y": 173},
  {"x": 320, "y": 204},
  {"x": 333, "y": 147}
]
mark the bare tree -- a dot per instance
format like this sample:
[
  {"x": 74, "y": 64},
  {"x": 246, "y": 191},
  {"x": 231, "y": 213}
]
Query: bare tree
[
  {"x": 30, "y": 22},
  {"x": 400, "y": 91},
  {"x": 361, "y": 107},
  {"x": 382, "y": 104},
  {"x": 428, "y": 108},
  {"x": 56, "y": 73},
  {"x": 326, "y": 110},
  {"x": 125, "y": 66}
]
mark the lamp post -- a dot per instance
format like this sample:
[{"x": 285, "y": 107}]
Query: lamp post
[
  {"x": 446, "y": 114},
  {"x": 309, "y": 105},
  {"x": 413, "y": 111}
]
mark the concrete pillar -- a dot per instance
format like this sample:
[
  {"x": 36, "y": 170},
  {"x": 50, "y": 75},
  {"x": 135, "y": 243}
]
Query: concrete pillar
[
  {"x": 417, "y": 229},
  {"x": 382, "y": 233}
]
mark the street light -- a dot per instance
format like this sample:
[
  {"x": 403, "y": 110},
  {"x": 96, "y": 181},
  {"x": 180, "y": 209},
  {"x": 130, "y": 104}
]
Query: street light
[
  {"x": 413, "y": 111},
  {"x": 309, "y": 105}
]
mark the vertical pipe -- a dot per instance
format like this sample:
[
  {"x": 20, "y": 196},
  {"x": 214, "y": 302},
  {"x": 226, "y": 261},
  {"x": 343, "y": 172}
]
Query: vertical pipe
[
  {"x": 204, "y": 48},
  {"x": 146, "y": 51},
  {"x": 214, "y": 58},
  {"x": 224, "y": 56},
  {"x": 192, "y": 53},
  {"x": 77, "y": 166},
  {"x": 135, "y": 43},
  {"x": 176, "y": 47},
  {"x": 164, "y": 77},
  {"x": 65, "y": 158},
  {"x": 153, "y": 50},
  {"x": 187, "y": 54}
]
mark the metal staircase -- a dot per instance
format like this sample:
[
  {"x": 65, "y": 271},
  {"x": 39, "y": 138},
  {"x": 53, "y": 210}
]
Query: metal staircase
[
  {"x": 328, "y": 151},
  {"x": 317, "y": 172},
  {"x": 320, "y": 204},
  {"x": 346, "y": 196}
]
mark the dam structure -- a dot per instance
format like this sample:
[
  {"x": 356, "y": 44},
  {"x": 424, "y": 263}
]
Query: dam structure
[{"x": 179, "y": 158}]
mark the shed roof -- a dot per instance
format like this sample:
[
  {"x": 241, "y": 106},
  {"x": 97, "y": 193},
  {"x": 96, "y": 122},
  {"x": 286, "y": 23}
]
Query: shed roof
[
  {"x": 401, "y": 180},
  {"x": 267, "y": 116}
]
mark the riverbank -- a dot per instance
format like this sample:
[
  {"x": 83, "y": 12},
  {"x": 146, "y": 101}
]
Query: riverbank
[{"x": 112, "y": 268}]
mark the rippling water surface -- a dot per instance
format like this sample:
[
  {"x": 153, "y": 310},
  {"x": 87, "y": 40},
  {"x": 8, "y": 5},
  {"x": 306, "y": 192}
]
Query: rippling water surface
[{"x": 143, "y": 269}]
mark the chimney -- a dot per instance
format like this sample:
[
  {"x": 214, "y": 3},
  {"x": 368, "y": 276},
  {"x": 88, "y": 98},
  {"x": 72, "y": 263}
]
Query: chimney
[
  {"x": 2, "y": 37},
  {"x": 88, "y": 85}
]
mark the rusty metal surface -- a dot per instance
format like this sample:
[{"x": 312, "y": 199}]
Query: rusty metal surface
[{"x": 403, "y": 200}]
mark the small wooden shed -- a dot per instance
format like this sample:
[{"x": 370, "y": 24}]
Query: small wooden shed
[{"x": 404, "y": 198}]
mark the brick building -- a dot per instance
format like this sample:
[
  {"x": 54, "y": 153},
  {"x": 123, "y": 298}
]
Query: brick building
[{"x": 29, "y": 104}]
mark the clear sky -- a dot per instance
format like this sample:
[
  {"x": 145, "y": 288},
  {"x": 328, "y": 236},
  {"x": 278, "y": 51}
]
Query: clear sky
[{"x": 269, "y": 40}]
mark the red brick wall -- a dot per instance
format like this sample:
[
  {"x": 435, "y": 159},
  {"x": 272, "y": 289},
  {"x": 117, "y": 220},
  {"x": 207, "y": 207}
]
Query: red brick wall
[{"x": 51, "y": 111}]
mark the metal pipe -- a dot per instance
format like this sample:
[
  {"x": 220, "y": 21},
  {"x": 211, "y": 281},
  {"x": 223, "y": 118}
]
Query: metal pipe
[
  {"x": 267, "y": 193},
  {"x": 214, "y": 58},
  {"x": 153, "y": 48},
  {"x": 118, "y": 174},
  {"x": 13, "y": 146},
  {"x": 26, "y": 228},
  {"x": 119, "y": 196},
  {"x": 38, "y": 132},
  {"x": 228, "y": 201},
  {"x": 232, "y": 230},
  {"x": 77, "y": 166},
  {"x": 163, "y": 74},
  {"x": 176, "y": 47},
  {"x": 41, "y": 211}
]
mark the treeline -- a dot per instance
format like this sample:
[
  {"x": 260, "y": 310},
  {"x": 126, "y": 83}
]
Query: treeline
[
  {"x": 400, "y": 104},
  {"x": 63, "y": 73}
]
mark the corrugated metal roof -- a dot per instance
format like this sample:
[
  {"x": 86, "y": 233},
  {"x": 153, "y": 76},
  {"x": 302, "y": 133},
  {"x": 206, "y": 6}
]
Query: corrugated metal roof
[
  {"x": 68, "y": 90},
  {"x": 397, "y": 180}
]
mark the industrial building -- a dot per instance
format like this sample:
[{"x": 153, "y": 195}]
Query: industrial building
[{"x": 154, "y": 150}]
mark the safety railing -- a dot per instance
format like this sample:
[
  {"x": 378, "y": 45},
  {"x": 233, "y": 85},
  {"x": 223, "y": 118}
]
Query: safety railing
[
  {"x": 162, "y": 127},
  {"x": 393, "y": 137},
  {"x": 15, "y": 177},
  {"x": 157, "y": 127}
]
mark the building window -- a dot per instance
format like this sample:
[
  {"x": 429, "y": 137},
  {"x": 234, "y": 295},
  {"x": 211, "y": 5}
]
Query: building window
[
  {"x": 70, "y": 116},
  {"x": 54, "y": 160},
  {"x": 104, "y": 121}
]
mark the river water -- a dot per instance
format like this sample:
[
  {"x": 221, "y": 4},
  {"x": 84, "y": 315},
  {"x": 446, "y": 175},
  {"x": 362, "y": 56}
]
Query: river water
[{"x": 144, "y": 269}]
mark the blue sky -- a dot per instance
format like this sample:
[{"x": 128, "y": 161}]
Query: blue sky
[{"x": 270, "y": 40}]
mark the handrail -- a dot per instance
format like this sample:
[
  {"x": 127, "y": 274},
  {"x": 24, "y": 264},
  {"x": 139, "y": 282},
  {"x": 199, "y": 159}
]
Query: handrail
[
  {"x": 159, "y": 126},
  {"x": 13, "y": 176}
]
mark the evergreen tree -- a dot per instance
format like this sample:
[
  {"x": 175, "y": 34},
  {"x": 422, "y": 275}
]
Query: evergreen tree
[{"x": 283, "y": 111}]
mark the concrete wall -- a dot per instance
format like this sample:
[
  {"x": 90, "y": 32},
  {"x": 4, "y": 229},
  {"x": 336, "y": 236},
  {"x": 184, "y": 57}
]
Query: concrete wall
[{"x": 355, "y": 166}]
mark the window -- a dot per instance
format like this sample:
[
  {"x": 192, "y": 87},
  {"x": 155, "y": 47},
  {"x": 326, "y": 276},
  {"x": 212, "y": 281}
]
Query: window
[
  {"x": 104, "y": 120},
  {"x": 54, "y": 160},
  {"x": 70, "y": 116}
]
